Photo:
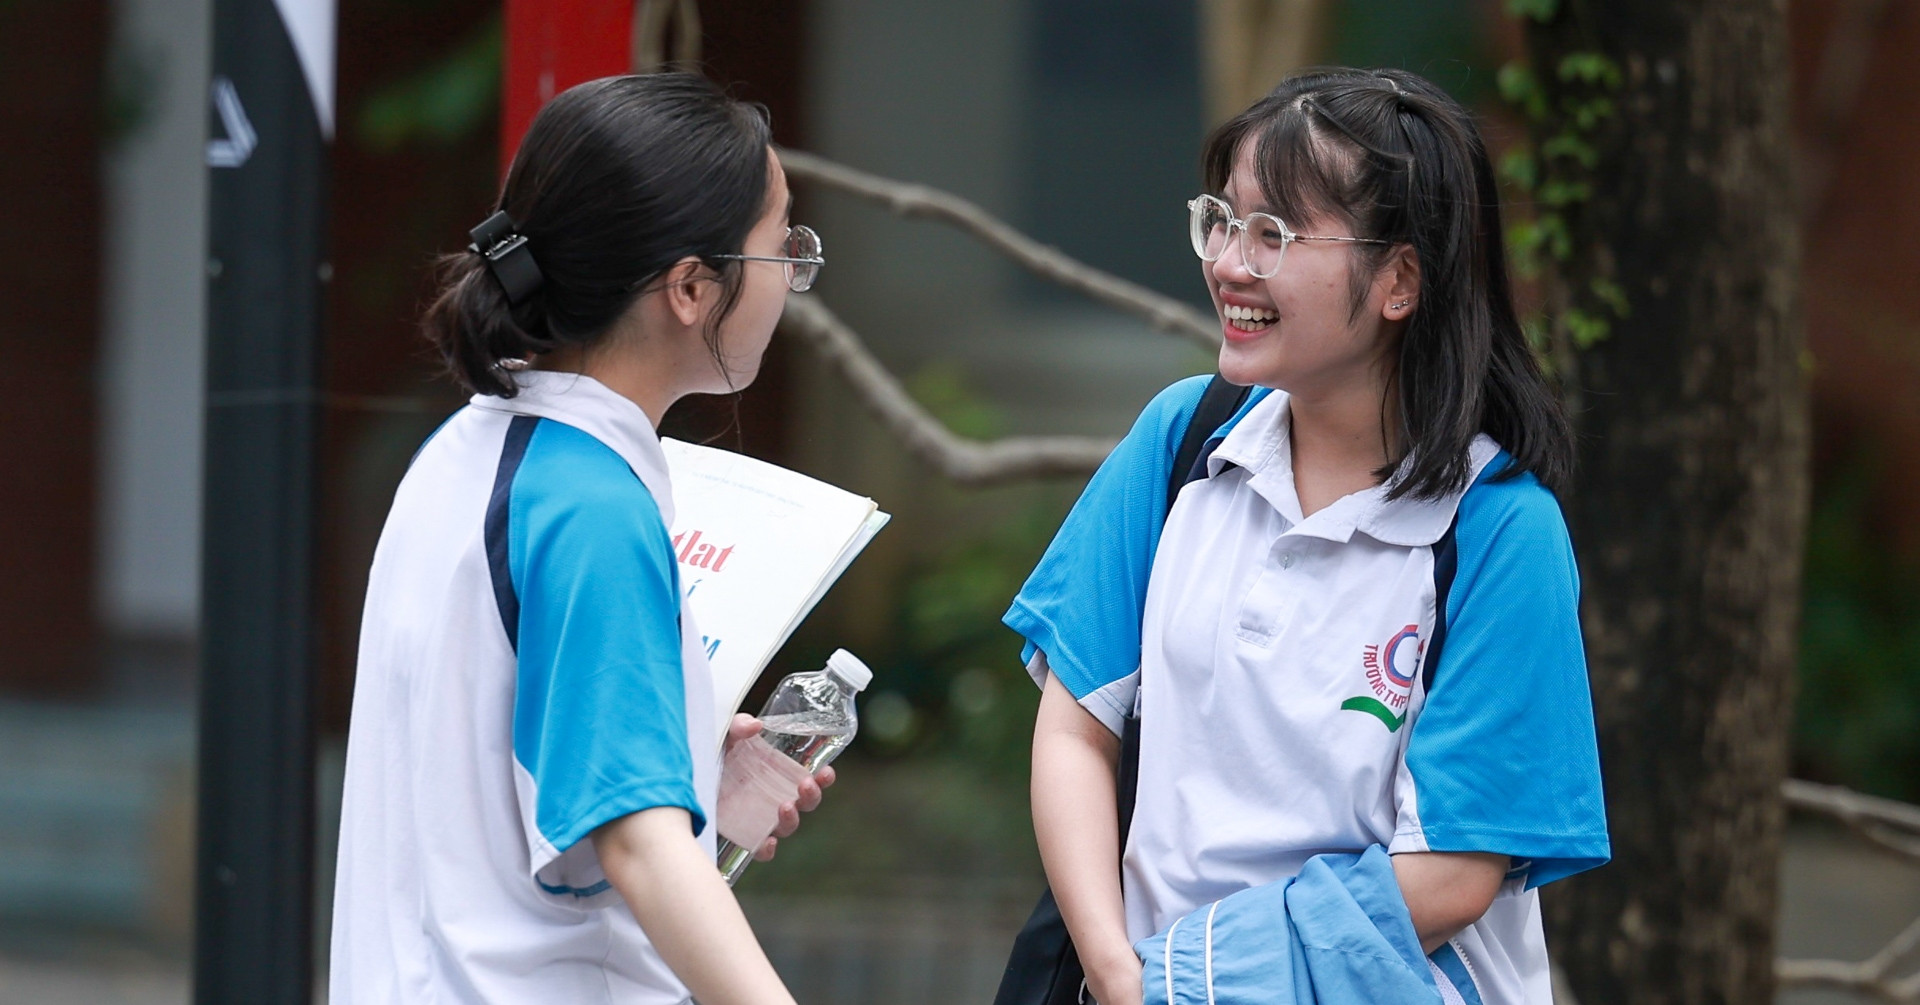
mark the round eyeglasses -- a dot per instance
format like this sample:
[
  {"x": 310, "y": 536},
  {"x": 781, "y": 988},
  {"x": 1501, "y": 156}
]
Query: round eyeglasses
[
  {"x": 1263, "y": 236},
  {"x": 802, "y": 259}
]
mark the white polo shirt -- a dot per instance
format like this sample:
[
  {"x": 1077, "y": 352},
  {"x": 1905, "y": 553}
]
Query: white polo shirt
[
  {"x": 1402, "y": 673},
  {"x": 526, "y": 674}
]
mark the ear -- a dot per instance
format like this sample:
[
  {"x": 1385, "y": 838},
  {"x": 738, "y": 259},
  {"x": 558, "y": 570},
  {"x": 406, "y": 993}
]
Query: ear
[
  {"x": 1400, "y": 279},
  {"x": 686, "y": 290}
]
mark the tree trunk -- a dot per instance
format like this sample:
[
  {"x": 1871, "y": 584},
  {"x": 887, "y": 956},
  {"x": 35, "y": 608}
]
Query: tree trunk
[
  {"x": 1249, "y": 45},
  {"x": 1691, "y": 498}
]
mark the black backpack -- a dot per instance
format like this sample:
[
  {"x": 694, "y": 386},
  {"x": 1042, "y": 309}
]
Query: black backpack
[{"x": 1043, "y": 968}]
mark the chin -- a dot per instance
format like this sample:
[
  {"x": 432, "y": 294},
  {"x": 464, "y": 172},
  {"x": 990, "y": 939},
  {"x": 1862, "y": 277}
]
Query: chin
[
  {"x": 741, "y": 380},
  {"x": 732, "y": 376},
  {"x": 1247, "y": 369}
]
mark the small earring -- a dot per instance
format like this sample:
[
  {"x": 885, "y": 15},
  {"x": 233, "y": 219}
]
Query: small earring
[
  {"x": 1401, "y": 304},
  {"x": 512, "y": 364}
]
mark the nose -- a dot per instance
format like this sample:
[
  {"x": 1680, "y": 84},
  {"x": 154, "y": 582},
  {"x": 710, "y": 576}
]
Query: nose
[{"x": 1231, "y": 266}]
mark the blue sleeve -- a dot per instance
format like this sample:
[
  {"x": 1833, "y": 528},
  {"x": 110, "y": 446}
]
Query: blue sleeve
[
  {"x": 599, "y": 722},
  {"x": 1082, "y": 604},
  {"x": 1502, "y": 756}
]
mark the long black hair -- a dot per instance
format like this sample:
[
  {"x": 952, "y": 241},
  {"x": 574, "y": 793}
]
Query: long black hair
[
  {"x": 616, "y": 180},
  {"x": 1398, "y": 160}
]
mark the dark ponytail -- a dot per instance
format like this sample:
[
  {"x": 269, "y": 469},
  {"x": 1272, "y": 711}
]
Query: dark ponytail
[
  {"x": 616, "y": 180},
  {"x": 474, "y": 328},
  {"x": 1397, "y": 159}
]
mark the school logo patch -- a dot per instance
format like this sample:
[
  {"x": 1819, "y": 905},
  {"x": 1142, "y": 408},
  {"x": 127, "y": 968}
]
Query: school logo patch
[{"x": 1390, "y": 668}]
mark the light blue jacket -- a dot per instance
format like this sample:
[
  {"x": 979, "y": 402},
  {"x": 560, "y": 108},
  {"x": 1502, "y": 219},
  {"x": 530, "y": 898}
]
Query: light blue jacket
[{"x": 1337, "y": 933}]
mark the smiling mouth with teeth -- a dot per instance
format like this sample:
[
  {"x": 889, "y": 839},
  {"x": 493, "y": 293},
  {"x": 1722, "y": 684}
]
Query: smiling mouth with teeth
[{"x": 1250, "y": 319}]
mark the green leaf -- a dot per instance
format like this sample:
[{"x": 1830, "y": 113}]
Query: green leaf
[
  {"x": 1559, "y": 193},
  {"x": 1559, "y": 239},
  {"x": 1524, "y": 238},
  {"x": 1587, "y": 329},
  {"x": 1590, "y": 68},
  {"x": 1519, "y": 89},
  {"x": 1570, "y": 145},
  {"x": 1538, "y": 334},
  {"x": 1516, "y": 82},
  {"x": 1609, "y": 292},
  {"x": 944, "y": 388},
  {"x": 1538, "y": 10},
  {"x": 442, "y": 103},
  {"x": 1520, "y": 167},
  {"x": 133, "y": 92}
]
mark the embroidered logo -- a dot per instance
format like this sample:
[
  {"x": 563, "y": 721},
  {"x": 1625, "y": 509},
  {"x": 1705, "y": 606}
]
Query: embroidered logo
[{"x": 1390, "y": 670}]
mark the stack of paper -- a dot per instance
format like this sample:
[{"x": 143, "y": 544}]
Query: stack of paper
[{"x": 758, "y": 547}]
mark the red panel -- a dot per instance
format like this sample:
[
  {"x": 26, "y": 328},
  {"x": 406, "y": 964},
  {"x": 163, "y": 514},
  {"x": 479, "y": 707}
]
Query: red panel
[
  {"x": 553, "y": 45},
  {"x": 52, "y": 65}
]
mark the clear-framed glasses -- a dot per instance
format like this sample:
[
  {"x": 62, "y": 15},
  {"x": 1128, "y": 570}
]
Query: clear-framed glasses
[
  {"x": 802, "y": 259},
  {"x": 1263, "y": 236}
]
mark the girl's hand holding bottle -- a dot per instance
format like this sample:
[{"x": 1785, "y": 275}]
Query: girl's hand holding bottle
[
  {"x": 806, "y": 800},
  {"x": 777, "y": 764}
]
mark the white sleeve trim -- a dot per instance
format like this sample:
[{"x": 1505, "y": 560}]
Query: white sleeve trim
[
  {"x": 1110, "y": 704},
  {"x": 1038, "y": 669},
  {"x": 1408, "y": 840},
  {"x": 570, "y": 877},
  {"x": 1114, "y": 702}
]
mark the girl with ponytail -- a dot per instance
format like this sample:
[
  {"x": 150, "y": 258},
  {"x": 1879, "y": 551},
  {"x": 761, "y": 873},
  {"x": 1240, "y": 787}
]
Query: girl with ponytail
[
  {"x": 531, "y": 770},
  {"x": 1350, "y": 648}
]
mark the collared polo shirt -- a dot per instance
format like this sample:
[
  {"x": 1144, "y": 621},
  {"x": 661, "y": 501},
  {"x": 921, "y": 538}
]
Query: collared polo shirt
[
  {"x": 526, "y": 674},
  {"x": 1405, "y": 673}
]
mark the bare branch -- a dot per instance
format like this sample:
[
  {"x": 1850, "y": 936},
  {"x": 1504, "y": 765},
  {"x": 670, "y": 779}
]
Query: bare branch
[
  {"x": 910, "y": 200},
  {"x": 1869, "y": 976},
  {"x": 1892, "y": 825},
  {"x": 1904, "y": 845},
  {"x": 968, "y": 462}
]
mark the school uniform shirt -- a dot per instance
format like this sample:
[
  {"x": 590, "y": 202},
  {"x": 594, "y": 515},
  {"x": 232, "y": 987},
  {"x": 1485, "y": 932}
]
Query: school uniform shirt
[
  {"x": 1404, "y": 673},
  {"x": 526, "y": 674}
]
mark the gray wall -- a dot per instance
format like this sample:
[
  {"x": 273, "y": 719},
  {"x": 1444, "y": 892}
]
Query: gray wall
[{"x": 151, "y": 380}]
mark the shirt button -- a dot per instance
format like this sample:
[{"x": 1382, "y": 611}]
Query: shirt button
[{"x": 1286, "y": 561}]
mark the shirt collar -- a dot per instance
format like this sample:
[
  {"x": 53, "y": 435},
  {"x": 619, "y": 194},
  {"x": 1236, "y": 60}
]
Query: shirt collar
[
  {"x": 1411, "y": 522},
  {"x": 597, "y": 410},
  {"x": 1262, "y": 445}
]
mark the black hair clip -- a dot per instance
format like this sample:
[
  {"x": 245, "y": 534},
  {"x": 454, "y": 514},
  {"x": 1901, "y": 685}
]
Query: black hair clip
[{"x": 508, "y": 258}]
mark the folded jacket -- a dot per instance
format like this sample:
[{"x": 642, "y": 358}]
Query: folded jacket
[{"x": 1336, "y": 933}]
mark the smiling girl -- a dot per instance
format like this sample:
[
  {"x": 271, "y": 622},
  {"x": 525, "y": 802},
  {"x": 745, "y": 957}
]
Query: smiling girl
[{"x": 1357, "y": 627}]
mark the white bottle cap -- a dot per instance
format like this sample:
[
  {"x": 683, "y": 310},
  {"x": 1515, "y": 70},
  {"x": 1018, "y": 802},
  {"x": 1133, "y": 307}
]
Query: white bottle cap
[{"x": 848, "y": 668}]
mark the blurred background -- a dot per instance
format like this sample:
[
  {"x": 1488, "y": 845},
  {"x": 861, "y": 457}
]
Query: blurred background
[{"x": 1077, "y": 121}]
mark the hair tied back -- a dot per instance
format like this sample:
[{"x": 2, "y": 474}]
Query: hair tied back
[{"x": 508, "y": 257}]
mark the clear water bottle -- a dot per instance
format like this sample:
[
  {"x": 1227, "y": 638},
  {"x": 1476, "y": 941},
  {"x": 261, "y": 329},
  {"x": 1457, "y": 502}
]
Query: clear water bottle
[{"x": 807, "y": 722}]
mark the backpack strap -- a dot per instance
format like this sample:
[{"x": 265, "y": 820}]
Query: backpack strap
[
  {"x": 1044, "y": 968},
  {"x": 1218, "y": 403}
]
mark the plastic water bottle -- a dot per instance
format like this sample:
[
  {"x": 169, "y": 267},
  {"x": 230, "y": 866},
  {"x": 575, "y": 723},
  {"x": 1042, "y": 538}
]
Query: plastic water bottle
[{"x": 807, "y": 722}]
